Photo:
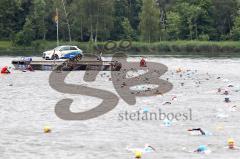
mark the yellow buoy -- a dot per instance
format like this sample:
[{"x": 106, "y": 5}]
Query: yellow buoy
[
  {"x": 47, "y": 129},
  {"x": 138, "y": 154}
]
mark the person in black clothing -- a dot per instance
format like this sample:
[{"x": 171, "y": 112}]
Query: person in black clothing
[{"x": 198, "y": 129}]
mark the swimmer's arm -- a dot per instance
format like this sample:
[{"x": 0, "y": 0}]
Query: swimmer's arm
[
  {"x": 131, "y": 149},
  {"x": 236, "y": 148},
  {"x": 198, "y": 129},
  {"x": 202, "y": 132}
]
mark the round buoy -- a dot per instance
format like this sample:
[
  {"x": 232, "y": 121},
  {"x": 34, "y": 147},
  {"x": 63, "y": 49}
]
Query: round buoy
[
  {"x": 138, "y": 154},
  {"x": 47, "y": 129}
]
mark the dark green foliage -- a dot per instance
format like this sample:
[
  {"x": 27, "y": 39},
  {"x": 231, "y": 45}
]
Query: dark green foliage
[
  {"x": 24, "y": 21},
  {"x": 10, "y": 18}
]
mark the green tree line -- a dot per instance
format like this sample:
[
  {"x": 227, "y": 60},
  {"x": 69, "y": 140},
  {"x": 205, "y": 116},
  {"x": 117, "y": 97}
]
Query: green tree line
[{"x": 24, "y": 21}]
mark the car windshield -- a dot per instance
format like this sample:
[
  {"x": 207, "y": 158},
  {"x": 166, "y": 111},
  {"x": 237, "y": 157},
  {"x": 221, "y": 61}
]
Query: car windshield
[{"x": 57, "y": 48}]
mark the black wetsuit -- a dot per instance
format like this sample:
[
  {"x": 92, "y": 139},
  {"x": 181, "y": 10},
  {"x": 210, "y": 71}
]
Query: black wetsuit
[{"x": 199, "y": 129}]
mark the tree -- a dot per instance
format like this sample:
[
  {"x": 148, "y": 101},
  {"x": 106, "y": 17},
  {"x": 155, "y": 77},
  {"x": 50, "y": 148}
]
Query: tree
[
  {"x": 129, "y": 9},
  {"x": 149, "y": 24},
  {"x": 120, "y": 12},
  {"x": 189, "y": 17},
  {"x": 235, "y": 32},
  {"x": 50, "y": 23},
  {"x": 26, "y": 36},
  {"x": 9, "y": 22},
  {"x": 67, "y": 21},
  {"x": 224, "y": 13},
  {"x": 134, "y": 9},
  {"x": 101, "y": 20},
  {"x": 173, "y": 24},
  {"x": 205, "y": 20},
  {"x": 37, "y": 19},
  {"x": 127, "y": 29},
  {"x": 96, "y": 17},
  {"x": 164, "y": 6},
  {"x": 78, "y": 29}
]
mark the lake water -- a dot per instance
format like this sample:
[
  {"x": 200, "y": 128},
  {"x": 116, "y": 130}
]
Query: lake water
[{"x": 27, "y": 104}]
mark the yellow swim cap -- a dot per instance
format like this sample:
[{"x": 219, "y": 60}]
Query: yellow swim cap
[
  {"x": 138, "y": 154},
  {"x": 47, "y": 129},
  {"x": 230, "y": 140}
]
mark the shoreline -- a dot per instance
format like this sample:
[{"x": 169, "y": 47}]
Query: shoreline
[
  {"x": 164, "y": 48},
  {"x": 145, "y": 56}
]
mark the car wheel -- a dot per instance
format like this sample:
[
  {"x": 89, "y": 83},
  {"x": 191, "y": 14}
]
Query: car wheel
[
  {"x": 78, "y": 57},
  {"x": 55, "y": 57}
]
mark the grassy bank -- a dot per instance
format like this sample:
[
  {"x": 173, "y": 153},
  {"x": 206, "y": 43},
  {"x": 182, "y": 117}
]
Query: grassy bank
[{"x": 137, "y": 48}]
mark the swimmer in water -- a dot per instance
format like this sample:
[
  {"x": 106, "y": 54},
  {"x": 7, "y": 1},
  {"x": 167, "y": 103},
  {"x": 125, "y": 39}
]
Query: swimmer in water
[
  {"x": 202, "y": 149},
  {"x": 5, "y": 70},
  {"x": 29, "y": 68},
  {"x": 198, "y": 129},
  {"x": 143, "y": 63},
  {"x": 146, "y": 149},
  {"x": 231, "y": 145}
]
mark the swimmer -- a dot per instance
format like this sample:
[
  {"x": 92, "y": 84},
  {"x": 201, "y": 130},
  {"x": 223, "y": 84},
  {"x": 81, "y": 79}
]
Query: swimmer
[
  {"x": 146, "y": 149},
  {"x": 198, "y": 129},
  {"x": 174, "y": 98},
  {"x": 233, "y": 108},
  {"x": 231, "y": 145},
  {"x": 226, "y": 92},
  {"x": 167, "y": 123},
  {"x": 145, "y": 110},
  {"x": 227, "y": 100},
  {"x": 143, "y": 63},
  {"x": 202, "y": 149},
  {"x": 166, "y": 103},
  {"x": 28, "y": 68},
  {"x": 5, "y": 70}
]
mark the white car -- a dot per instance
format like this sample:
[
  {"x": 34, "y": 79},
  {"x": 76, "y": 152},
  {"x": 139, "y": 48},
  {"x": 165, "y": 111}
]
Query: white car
[{"x": 62, "y": 52}]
